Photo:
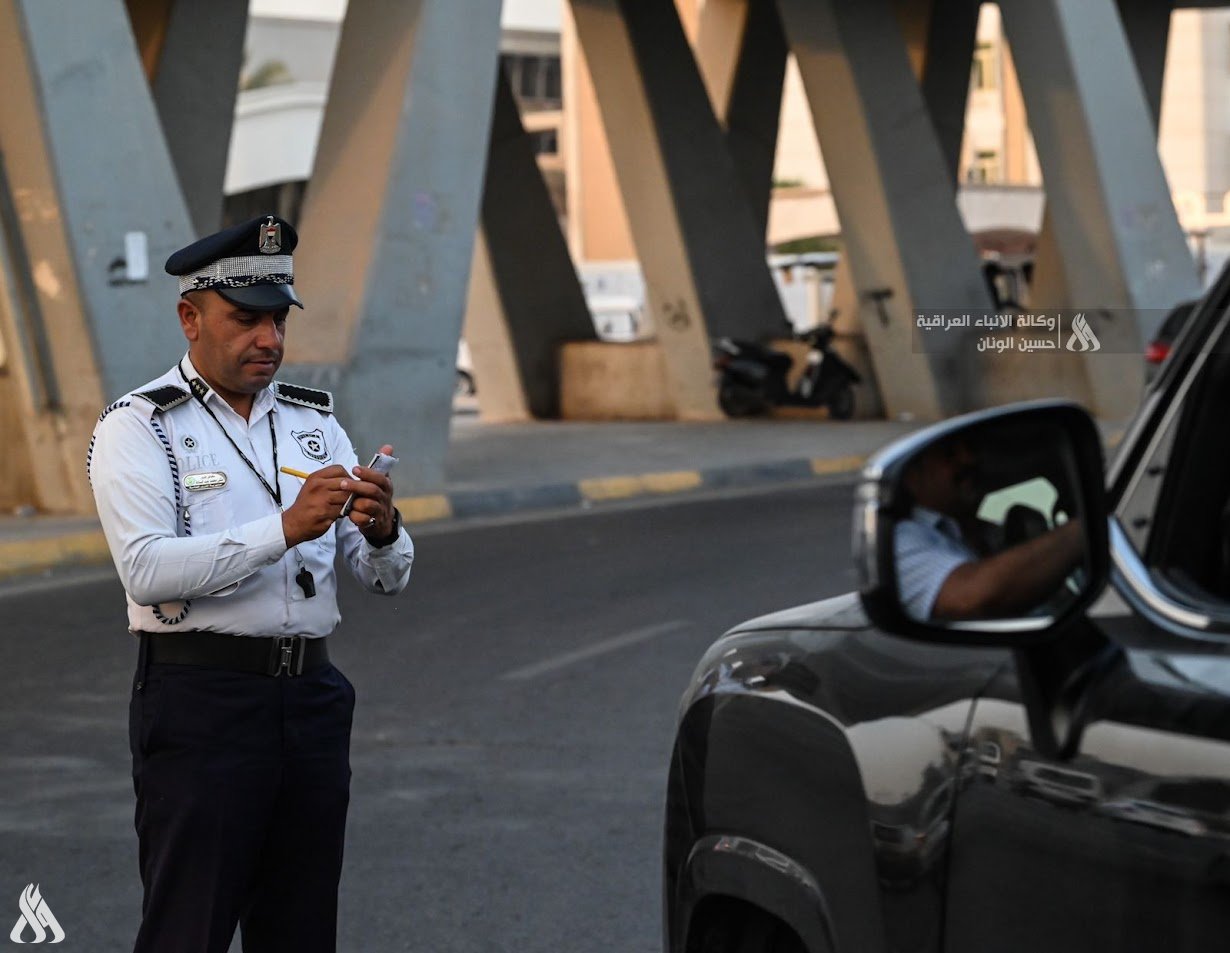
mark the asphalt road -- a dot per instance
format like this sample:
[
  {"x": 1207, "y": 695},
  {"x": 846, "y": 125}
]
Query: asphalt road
[{"x": 514, "y": 721}]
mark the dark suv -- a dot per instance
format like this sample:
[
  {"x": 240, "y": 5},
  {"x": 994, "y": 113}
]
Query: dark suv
[{"x": 1016, "y": 736}]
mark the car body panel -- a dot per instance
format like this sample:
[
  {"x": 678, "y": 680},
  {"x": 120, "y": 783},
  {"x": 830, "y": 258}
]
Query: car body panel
[
  {"x": 781, "y": 712},
  {"x": 1099, "y": 852},
  {"x": 892, "y": 768}
]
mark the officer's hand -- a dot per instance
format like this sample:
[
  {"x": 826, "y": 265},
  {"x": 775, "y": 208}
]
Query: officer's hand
[
  {"x": 373, "y": 504},
  {"x": 320, "y": 500}
]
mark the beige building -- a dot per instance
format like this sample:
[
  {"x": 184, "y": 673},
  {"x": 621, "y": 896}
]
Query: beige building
[
  {"x": 999, "y": 175},
  {"x": 1194, "y": 139}
]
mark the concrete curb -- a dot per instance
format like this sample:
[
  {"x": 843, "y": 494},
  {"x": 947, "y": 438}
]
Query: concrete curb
[
  {"x": 19, "y": 557},
  {"x": 37, "y": 554},
  {"x": 466, "y": 504}
]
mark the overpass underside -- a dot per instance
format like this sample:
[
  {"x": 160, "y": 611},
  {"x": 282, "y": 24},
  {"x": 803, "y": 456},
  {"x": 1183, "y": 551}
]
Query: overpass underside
[{"x": 425, "y": 195}]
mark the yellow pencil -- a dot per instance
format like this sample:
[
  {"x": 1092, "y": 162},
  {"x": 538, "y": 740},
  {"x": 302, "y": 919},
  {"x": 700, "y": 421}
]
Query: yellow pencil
[{"x": 293, "y": 472}]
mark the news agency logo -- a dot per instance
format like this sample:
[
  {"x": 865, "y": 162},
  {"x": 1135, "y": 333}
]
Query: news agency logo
[
  {"x": 1082, "y": 337},
  {"x": 37, "y": 917},
  {"x": 1000, "y": 331}
]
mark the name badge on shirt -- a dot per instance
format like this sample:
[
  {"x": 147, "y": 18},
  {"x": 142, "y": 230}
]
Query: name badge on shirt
[{"x": 205, "y": 481}]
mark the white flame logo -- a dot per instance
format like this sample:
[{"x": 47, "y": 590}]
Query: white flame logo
[
  {"x": 36, "y": 915},
  {"x": 1082, "y": 337}
]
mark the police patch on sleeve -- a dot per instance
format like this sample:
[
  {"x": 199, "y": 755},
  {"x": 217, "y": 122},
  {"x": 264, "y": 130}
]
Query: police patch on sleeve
[{"x": 312, "y": 443}]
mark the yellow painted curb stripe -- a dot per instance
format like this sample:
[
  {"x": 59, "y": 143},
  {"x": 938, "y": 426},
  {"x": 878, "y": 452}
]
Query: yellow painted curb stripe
[
  {"x": 35, "y": 555},
  {"x": 820, "y": 467},
  {"x": 623, "y": 487},
  {"x": 421, "y": 509},
  {"x": 672, "y": 482}
]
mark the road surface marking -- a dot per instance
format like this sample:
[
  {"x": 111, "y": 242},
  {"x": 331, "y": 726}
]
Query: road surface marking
[{"x": 616, "y": 642}]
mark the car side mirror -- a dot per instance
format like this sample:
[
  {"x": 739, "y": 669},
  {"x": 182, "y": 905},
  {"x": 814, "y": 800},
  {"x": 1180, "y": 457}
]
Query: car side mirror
[{"x": 987, "y": 529}]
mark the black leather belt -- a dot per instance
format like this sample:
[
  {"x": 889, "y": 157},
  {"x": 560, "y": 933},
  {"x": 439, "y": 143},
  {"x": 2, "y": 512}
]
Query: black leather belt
[{"x": 280, "y": 655}]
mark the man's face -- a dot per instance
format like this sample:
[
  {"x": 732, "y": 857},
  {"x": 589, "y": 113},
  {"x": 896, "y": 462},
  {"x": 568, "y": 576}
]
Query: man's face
[
  {"x": 946, "y": 479},
  {"x": 238, "y": 352}
]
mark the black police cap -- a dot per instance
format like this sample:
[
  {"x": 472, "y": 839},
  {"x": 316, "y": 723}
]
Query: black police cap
[{"x": 250, "y": 264}]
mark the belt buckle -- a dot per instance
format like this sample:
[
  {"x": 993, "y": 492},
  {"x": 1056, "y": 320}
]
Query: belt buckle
[{"x": 286, "y": 655}]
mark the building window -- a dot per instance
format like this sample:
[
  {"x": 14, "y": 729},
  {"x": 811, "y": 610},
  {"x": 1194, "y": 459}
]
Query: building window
[
  {"x": 535, "y": 80},
  {"x": 545, "y": 142},
  {"x": 984, "y": 167},
  {"x": 284, "y": 200},
  {"x": 985, "y": 71},
  {"x": 552, "y": 87}
]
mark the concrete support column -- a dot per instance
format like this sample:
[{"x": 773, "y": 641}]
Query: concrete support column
[
  {"x": 1147, "y": 26},
  {"x": 535, "y": 302},
  {"x": 941, "y": 36},
  {"x": 907, "y": 247},
  {"x": 598, "y": 228},
  {"x": 696, "y": 237},
  {"x": 1115, "y": 227},
  {"x": 741, "y": 52},
  {"x": 389, "y": 221},
  {"x": 753, "y": 108},
  {"x": 195, "y": 78},
  {"x": 85, "y": 164},
  {"x": 718, "y": 36},
  {"x": 501, "y": 396},
  {"x": 1146, "y": 23},
  {"x": 26, "y": 419}
]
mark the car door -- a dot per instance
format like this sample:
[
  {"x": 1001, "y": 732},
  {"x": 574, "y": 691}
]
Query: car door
[{"x": 1120, "y": 841}]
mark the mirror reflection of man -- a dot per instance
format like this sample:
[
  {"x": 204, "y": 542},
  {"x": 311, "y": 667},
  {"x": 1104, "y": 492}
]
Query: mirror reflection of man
[{"x": 948, "y": 566}]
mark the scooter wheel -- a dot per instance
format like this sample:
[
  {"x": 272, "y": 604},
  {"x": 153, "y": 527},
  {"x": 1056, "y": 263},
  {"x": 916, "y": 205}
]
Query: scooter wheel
[
  {"x": 737, "y": 401},
  {"x": 841, "y": 404}
]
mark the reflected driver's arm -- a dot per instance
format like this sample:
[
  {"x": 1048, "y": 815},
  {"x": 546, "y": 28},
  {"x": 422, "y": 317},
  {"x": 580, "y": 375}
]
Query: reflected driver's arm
[{"x": 1014, "y": 581}]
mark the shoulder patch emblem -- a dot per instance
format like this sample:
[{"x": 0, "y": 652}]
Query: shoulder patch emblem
[
  {"x": 312, "y": 443},
  {"x": 305, "y": 396},
  {"x": 166, "y": 397}
]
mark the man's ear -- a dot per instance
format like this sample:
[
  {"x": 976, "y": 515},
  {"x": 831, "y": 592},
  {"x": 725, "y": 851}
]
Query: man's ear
[{"x": 189, "y": 319}]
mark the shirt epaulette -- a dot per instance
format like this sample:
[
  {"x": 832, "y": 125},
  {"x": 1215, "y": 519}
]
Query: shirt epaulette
[
  {"x": 165, "y": 397},
  {"x": 305, "y": 396}
]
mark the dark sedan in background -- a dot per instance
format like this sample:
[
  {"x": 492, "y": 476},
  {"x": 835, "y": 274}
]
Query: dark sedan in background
[
  {"x": 1158, "y": 349},
  {"x": 1043, "y": 770}
]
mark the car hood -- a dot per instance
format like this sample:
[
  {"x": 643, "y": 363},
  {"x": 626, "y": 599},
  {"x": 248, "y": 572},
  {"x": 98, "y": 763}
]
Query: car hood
[
  {"x": 828, "y": 655},
  {"x": 839, "y": 612}
]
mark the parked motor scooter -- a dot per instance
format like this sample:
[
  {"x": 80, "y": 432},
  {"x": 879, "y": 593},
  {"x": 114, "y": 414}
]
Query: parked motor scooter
[{"x": 752, "y": 377}]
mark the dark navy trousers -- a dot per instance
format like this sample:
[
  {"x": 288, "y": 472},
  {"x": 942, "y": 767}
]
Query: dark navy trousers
[{"x": 242, "y": 786}]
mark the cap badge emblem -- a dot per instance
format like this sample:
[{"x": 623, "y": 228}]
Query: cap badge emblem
[{"x": 271, "y": 238}]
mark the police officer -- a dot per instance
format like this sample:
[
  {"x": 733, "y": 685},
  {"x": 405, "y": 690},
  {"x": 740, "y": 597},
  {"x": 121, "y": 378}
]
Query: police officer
[{"x": 221, "y": 492}]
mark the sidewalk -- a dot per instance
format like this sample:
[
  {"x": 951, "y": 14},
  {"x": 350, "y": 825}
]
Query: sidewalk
[{"x": 494, "y": 469}]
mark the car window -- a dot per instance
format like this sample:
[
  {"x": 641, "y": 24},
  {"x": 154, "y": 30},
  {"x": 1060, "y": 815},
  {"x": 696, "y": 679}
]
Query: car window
[
  {"x": 1038, "y": 495},
  {"x": 1174, "y": 321},
  {"x": 1176, "y": 510}
]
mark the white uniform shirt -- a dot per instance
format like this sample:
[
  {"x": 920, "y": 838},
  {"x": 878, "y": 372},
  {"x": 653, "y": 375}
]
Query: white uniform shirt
[
  {"x": 928, "y": 548},
  {"x": 195, "y": 536}
]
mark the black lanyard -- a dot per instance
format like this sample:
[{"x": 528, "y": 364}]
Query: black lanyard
[{"x": 198, "y": 391}]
